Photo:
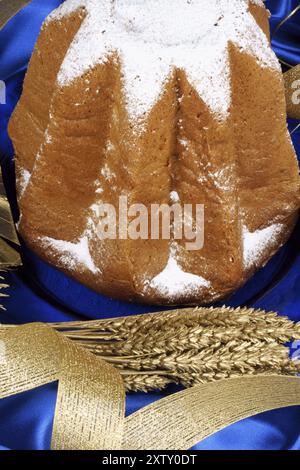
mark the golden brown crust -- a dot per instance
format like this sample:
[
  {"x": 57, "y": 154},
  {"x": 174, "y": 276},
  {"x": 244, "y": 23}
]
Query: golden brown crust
[
  {"x": 31, "y": 116},
  {"x": 267, "y": 168},
  {"x": 251, "y": 147},
  {"x": 261, "y": 16},
  {"x": 120, "y": 290}
]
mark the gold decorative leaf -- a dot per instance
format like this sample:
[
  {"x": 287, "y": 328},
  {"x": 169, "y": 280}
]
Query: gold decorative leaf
[
  {"x": 9, "y": 256},
  {"x": 8, "y": 9},
  {"x": 7, "y": 227},
  {"x": 292, "y": 91}
]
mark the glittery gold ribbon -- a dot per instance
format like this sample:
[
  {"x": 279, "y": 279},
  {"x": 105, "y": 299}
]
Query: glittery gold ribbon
[
  {"x": 90, "y": 400},
  {"x": 89, "y": 411},
  {"x": 180, "y": 421}
]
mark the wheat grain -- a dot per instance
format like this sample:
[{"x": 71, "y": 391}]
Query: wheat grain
[
  {"x": 146, "y": 383},
  {"x": 189, "y": 346}
]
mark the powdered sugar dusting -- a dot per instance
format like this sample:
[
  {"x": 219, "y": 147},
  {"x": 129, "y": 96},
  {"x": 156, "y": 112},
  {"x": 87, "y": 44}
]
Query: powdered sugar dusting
[
  {"x": 23, "y": 180},
  {"x": 255, "y": 243},
  {"x": 174, "y": 282},
  {"x": 150, "y": 43},
  {"x": 66, "y": 8},
  {"x": 71, "y": 254},
  {"x": 174, "y": 197}
]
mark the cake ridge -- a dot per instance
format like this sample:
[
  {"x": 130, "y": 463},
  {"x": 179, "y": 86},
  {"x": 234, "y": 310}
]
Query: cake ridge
[
  {"x": 136, "y": 34},
  {"x": 173, "y": 282}
]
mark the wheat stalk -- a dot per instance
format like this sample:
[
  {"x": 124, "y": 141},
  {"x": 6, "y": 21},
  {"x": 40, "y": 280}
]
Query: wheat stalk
[
  {"x": 122, "y": 328},
  {"x": 189, "y": 346},
  {"x": 243, "y": 356},
  {"x": 196, "y": 337},
  {"x": 135, "y": 382}
]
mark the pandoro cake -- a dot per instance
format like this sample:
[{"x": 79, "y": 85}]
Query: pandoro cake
[{"x": 156, "y": 101}]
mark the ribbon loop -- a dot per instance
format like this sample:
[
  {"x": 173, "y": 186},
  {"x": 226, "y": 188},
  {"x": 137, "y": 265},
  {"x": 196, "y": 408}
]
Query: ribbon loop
[{"x": 89, "y": 411}]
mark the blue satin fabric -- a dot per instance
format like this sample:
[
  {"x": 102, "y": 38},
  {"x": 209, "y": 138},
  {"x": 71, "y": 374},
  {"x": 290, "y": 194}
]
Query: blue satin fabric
[{"x": 39, "y": 292}]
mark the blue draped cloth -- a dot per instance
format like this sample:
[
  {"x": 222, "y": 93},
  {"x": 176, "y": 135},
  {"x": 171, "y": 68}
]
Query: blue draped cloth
[{"x": 38, "y": 292}]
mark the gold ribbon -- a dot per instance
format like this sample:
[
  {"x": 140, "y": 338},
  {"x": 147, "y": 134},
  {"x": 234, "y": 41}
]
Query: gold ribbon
[
  {"x": 89, "y": 411},
  {"x": 180, "y": 421},
  {"x": 90, "y": 401}
]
